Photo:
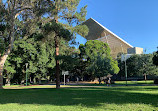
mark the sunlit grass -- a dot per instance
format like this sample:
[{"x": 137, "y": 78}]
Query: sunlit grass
[
  {"x": 11, "y": 86},
  {"x": 122, "y": 98},
  {"x": 135, "y": 82},
  {"x": 37, "y": 86}
]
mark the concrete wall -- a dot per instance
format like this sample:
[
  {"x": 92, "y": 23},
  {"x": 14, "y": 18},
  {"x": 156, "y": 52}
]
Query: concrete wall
[
  {"x": 135, "y": 50},
  {"x": 115, "y": 44},
  {"x": 97, "y": 31}
]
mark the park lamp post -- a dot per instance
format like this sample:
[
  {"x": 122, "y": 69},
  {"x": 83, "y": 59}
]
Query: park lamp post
[
  {"x": 26, "y": 72},
  {"x": 125, "y": 64},
  {"x": 125, "y": 69}
]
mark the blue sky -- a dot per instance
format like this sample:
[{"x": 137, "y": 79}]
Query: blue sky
[{"x": 135, "y": 21}]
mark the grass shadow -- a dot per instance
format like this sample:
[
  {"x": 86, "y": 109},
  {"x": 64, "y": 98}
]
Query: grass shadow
[{"x": 89, "y": 97}]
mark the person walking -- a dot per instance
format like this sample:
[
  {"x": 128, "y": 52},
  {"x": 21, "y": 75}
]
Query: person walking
[{"x": 109, "y": 82}]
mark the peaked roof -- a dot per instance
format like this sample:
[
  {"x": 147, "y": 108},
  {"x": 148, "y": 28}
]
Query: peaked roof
[{"x": 95, "y": 29}]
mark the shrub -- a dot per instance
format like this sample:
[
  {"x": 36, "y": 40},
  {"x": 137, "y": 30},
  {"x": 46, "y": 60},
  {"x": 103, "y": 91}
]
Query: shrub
[{"x": 156, "y": 81}]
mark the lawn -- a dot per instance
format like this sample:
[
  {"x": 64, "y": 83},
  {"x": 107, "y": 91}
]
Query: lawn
[
  {"x": 134, "y": 82},
  {"x": 120, "y": 83},
  {"x": 131, "y": 98}
]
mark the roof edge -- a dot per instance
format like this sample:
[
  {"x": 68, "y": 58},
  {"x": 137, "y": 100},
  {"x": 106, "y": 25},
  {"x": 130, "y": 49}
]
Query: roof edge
[{"x": 111, "y": 32}]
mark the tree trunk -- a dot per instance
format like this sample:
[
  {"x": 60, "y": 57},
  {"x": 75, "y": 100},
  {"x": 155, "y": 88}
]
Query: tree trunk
[
  {"x": 13, "y": 16},
  {"x": 99, "y": 80},
  {"x": 7, "y": 82},
  {"x": 57, "y": 54},
  {"x": 57, "y": 63},
  {"x": 1, "y": 77},
  {"x": 4, "y": 57},
  {"x": 2, "y": 61},
  {"x": 145, "y": 77},
  {"x": 34, "y": 80},
  {"x": 39, "y": 81}
]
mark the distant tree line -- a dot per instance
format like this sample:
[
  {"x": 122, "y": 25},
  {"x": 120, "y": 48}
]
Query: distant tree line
[
  {"x": 155, "y": 58},
  {"x": 138, "y": 66}
]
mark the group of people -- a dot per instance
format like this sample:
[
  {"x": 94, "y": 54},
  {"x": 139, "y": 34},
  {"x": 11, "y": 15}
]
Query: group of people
[{"x": 107, "y": 81}]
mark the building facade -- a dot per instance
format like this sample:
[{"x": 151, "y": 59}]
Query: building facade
[{"x": 99, "y": 32}]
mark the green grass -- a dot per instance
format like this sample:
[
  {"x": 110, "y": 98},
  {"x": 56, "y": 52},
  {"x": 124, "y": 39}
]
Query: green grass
[
  {"x": 121, "y": 83},
  {"x": 134, "y": 82},
  {"x": 26, "y": 87},
  {"x": 11, "y": 86},
  {"x": 131, "y": 98}
]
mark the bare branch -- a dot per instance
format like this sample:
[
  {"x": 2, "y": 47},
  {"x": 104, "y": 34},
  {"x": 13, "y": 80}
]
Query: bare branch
[{"x": 18, "y": 12}]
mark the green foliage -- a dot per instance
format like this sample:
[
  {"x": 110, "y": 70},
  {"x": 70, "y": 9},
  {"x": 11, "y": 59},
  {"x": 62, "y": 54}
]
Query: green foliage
[
  {"x": 138, "y": 65},
  {"x": 40, "y": 57},
  {"x": 155, "y": 58},
  {"x": 147, "y": 65},
  {"x": 2, "y": 29},
  {"x": 56, "y": 28},
  {"x": 103, "y": 66},
  {"x": 37, "y": 54},
  {"x": 67, "y": 14},
  {"x": 9, "y": 10},
  {"x": 10, "y": 70},
  {"x": 93, "y": 48},
  {"x": 98, "y": 59},
  {"x": 34, "y": 36}
]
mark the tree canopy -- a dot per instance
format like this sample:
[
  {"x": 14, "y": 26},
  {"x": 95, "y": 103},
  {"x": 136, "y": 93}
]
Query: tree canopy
[
  {"x": 139, "y": 65},
  {"x": 52, "y": 21},
  {"x": 97, "y": 55},
  {"x": 155, "y": 58}
]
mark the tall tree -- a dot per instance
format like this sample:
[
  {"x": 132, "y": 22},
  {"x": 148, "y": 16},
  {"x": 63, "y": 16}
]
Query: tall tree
[
  {"x": 10, "y": 10},
  {"x": 64, "y": 12}
]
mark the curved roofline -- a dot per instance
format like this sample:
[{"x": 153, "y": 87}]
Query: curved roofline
[{"x": 111, "y": 32}]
